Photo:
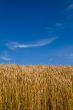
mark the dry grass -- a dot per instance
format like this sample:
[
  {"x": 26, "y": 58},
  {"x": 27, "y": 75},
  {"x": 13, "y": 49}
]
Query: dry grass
[{"x": 36, "y": 87}]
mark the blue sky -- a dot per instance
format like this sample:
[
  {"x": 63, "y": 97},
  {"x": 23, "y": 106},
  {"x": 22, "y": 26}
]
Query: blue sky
[{"x": 36, "y": 32}]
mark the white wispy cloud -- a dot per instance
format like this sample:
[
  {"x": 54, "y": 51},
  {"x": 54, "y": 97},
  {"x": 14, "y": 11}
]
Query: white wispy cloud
[
  {"x": 59, "y": 24},
  {"x": 70, "y": 55},
  {"x": 40, "y": 43},
  {"x": 4, "y": 58},
  {"x": 70, "y": 6}
]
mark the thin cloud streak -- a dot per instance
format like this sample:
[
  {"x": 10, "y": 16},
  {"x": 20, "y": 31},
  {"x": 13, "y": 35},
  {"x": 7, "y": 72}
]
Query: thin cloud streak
[
  {"x": 4, "y": 58},
  {"x": 40, "y": 43},
  {"x": 70, "y": 6},
  {"x": 59, "y": 24},
  {"x": 71, "y": 55}
]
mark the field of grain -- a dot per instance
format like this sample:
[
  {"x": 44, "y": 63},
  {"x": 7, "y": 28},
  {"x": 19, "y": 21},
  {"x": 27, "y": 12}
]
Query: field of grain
[{"x": 36, "y": 87}]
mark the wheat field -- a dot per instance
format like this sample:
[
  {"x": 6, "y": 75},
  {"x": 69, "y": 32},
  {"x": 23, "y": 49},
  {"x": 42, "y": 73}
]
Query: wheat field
[{"x": 36, "y": 87}]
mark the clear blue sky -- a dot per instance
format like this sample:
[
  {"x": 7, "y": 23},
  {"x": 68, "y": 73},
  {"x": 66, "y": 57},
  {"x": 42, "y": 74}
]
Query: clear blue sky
[{"x": 36, "y": 31}]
